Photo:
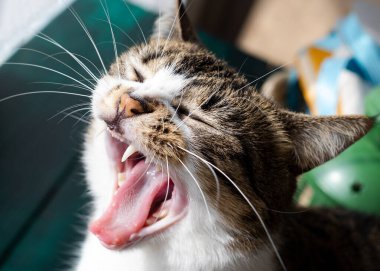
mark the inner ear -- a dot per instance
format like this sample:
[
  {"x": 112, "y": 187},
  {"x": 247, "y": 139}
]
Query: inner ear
[
  {"x": 187, "y": 30},
  {"x": 175, "y": 25}
]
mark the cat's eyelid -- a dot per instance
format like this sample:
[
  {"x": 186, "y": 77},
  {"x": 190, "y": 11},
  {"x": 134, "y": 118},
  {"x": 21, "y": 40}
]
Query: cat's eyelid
[
  {"x": 181, "y": 110},
  {"x": 140, "y": 77}
]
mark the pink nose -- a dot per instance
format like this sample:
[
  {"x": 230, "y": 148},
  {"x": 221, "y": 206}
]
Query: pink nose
[
  {"x": 129, "y": 107},
  {"x": 126, "y": 107}
]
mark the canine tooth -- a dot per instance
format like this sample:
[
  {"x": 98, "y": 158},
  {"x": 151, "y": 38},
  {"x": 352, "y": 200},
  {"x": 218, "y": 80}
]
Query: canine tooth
[
  {"x": 120, "y": 178},
  {"x": 128, "y": 152},
  {"x": 160, "y": 214},
  {"x": 150, "y": 221}
]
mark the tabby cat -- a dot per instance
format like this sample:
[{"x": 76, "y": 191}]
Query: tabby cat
[{"x": 191, "y": 169}]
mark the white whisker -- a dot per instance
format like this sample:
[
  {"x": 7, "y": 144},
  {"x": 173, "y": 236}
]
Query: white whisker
[
  {"x": 63, "y": 63},
  {"x": 120, "y": 29},
  {"x": 40, "y": 92},
  {"x": 159, "y": 34},
  {"x": 176, "y": 110},
  {"x": 49, "y": 69},
  {"x": 73, "y": 112},
  {"x": 172, "y": 26},
  {"x": 249, "y": 203},
  {"x": 60, "y": 84},
  {"x": 167, "y": 188},
  {"x": 193, "y": 111},
  {"x": 79, "y": 20},
  {"x": 242, "y": 65},
  {"x": 213, "y": 93},
  {"x": 268, "y": 73},
  {"x": 118, "y": 43},
  {"x": 199, "y": 187},
  {"x": 134, "y": 17},
  {"x": 68, "y": 108},
  {"x": 217, "y": 184},
  {"x": 80, "y": 56},
  {"x": 106, "y": 12},
  {"x": 52, "y": 41},
  {"x": 79, "y": 119}
]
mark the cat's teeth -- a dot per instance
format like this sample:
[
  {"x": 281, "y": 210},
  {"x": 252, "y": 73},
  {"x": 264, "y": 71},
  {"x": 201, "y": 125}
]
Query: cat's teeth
[
  {"x": 128, "y": 152},
  {"x": 150, "y": 221},
  {"x": 161, "y": 213},
  {"x": 120, "y": 178},
  {"x": 156, "y": 216}
]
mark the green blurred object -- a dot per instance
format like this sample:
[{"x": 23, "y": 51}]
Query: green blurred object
[{"x": 351, "y": 180}]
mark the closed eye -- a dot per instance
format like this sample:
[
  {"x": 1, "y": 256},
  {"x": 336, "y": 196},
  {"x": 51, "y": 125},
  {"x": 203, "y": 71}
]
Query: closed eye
[
  {"x": 183, "y": 113},
  {"x": 139, "y": 76}
]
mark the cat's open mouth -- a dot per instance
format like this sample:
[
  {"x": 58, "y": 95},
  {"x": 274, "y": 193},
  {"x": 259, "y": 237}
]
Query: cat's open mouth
[{"x": 146, "y": 200}]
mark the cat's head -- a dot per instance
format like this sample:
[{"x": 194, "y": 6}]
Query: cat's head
[{"x": 181, "y": 145}]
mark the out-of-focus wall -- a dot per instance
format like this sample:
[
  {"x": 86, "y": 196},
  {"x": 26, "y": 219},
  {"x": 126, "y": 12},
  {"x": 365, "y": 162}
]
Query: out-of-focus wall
[
  {"x": 21, "y": 19},
  {"x": 157, "y": 6},
  {"x": 276, "y": 30}
]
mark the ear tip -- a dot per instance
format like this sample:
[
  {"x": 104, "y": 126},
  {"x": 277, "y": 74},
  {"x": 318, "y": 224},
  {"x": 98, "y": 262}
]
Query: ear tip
[
  {"x": 365, "y": 123},
  {"x": 179, "y": 4},
  {"x": 375, "y": 118},
  {"x": 371, "y": 121}
]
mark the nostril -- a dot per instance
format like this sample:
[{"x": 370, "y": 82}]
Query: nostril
[
  {"x": 126, "y": 106},
  {"x": 130, "y": 106},
  {"x": 136, "y": 111}
]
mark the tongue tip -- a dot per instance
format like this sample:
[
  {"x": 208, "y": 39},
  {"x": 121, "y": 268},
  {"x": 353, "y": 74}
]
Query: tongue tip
[
  {"x": 108, "y": 238},
  {"x": 129, "y": 208}
]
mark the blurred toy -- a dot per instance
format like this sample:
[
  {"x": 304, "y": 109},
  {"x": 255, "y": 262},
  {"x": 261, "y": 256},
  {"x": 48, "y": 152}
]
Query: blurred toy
[
  {"x": 338, "y": 71},
  {"x": 352, "y": 180},
  {"x": 341, "y": 75}
]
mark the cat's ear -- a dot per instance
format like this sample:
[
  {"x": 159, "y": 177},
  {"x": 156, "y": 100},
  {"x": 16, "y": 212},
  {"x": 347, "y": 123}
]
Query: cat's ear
[
  {"x": 175, "y": 25},
  {"x": 316, "y": 140}
]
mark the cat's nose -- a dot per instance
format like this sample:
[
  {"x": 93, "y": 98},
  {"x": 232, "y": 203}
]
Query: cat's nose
[
  {"x": 127, "y": 106},
  {"x": 130, "y": 106}
]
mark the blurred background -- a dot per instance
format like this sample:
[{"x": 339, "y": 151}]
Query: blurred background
[{"x": 317, "y": 56}]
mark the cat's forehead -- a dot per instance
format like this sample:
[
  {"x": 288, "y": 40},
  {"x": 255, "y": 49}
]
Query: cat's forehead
[
  {"x": 164, "y": 84},
  {"x": 186, "y": 58},
  {"x": 158, "y": 70},
  {"x": 165, "y": 71}
]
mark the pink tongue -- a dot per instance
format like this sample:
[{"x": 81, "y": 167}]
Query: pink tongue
[{"x": 130, "y": 206}]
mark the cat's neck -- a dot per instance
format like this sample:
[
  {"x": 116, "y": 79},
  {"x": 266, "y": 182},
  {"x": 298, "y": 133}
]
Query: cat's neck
[{"x": 166, "y": 256}]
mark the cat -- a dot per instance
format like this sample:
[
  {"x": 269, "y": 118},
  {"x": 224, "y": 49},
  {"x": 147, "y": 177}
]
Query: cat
[{"x": 191, "y": 169}]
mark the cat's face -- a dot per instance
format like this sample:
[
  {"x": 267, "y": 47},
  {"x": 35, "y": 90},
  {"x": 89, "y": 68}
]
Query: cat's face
[
  {"x": 164, "y": 110},
  {"x": 180, "y": 145}
]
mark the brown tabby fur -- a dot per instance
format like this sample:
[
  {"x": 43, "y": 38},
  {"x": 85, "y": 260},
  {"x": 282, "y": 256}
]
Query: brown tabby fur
[{"x": 261, "y": 147}]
